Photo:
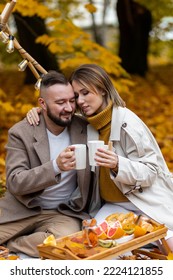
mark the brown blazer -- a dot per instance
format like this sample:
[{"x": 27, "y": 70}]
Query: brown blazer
[{"x": 29, "y": 171}]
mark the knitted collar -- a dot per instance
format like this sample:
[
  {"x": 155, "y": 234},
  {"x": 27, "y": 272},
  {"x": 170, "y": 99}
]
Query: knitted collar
[{"x": 103, "y": 118}]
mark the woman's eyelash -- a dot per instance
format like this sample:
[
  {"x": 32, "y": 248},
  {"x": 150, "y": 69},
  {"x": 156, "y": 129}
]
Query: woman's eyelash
[{"x": 85, "y": 92}]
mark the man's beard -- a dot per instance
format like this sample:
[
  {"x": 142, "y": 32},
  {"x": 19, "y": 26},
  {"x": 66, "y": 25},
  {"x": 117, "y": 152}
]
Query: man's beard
[{"x": 57, "y": 120}]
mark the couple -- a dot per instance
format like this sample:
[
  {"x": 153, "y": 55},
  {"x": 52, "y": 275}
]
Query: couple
[{"x": 45, "y": 193}]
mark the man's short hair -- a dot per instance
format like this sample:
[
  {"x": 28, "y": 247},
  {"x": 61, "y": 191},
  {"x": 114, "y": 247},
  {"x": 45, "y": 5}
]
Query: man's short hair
[{"x": 52, "y": 78}]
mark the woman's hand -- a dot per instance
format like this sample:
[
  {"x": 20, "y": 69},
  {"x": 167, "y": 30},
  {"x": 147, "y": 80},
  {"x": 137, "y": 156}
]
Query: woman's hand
[
  {"x": 107, "y": 159},
  {"x": 33, "y": 116}
]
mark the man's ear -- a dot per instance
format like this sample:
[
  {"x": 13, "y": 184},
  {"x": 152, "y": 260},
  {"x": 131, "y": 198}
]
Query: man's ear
[{"x": 42, "y": 103}]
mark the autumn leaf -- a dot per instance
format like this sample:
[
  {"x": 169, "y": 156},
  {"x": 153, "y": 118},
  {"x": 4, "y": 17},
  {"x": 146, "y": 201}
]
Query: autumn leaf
[
  {"x": 91, "y": 8},
  {"x": 170, "y": 256}
]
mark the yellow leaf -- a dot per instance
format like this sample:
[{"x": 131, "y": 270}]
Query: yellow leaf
[
  {"x": 170, "y": 256},
  {"x": 2, "y": 161},
  {"x": 91, "y": 8}
]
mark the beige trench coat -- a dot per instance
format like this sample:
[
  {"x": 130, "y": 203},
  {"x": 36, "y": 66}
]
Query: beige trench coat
[{"x": 143, "y": 175}]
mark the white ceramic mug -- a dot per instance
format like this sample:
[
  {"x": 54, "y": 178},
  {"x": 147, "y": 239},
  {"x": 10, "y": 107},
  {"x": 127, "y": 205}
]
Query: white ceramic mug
[
  {"x": 106, "y": 147},
  {"x": 80, "y": 155},
  {"x": 93, "y": 145}
]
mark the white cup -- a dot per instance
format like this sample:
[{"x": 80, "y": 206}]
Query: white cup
[
  {"x": 106, "y": 147},
  {"x": 80, "y": 155},
  {"x": 93, "y": 146}
]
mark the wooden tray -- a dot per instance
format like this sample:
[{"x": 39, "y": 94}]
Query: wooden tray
[{"x": 98, "y": 252}]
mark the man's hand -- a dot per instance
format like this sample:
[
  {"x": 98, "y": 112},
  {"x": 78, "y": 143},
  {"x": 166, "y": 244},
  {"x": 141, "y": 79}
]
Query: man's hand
[{"x": 66, "y": 159}]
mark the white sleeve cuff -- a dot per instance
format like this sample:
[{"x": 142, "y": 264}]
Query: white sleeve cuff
[{"x": 55, "y": 167}]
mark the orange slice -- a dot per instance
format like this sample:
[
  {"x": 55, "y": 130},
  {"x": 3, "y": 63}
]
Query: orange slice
[
  {"x": 139, "y": 231},
  {"x": 50, "y": 240},
  {"x": 115, "y": 233},
  {"x": 13, "y": 257},
  {"x": 100, "y": 233}
]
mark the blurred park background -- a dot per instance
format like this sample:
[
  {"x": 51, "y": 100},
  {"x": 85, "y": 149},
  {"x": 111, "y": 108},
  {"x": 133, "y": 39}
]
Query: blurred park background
[{"x": 131, "y": 40}]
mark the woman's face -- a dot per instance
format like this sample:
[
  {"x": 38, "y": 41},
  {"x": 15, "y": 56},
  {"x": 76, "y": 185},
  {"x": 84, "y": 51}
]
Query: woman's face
[{"x": 89, "y": 102}]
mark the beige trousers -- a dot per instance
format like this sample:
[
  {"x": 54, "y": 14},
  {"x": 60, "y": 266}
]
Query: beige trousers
[{"x": 24, "y": 235}]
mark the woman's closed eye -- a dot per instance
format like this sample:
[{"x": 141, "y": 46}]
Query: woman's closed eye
[{"x": 84, "y": 92}]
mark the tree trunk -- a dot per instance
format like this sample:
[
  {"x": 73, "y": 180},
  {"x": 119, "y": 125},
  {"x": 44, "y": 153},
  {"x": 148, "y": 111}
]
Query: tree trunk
[
  {"x": 134, "y": 25},
  {"x": 29, "y": 28},
  {"x": 97, "y": 32}
]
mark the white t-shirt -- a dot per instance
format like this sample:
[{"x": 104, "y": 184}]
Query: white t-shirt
[{"x": 62, "y": 191}]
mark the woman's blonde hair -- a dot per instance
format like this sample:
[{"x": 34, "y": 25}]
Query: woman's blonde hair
[{"x": 95, "y": 79}]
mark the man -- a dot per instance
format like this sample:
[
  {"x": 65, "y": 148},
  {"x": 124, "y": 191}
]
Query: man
[{"x": 46, "y": 195}]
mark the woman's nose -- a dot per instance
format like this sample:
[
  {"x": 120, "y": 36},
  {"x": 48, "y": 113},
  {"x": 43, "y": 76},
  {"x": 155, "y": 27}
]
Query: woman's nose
[{"x": 80, "y": 100}]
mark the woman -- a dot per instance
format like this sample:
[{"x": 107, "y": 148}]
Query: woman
[{"x": 135, "y": 177}]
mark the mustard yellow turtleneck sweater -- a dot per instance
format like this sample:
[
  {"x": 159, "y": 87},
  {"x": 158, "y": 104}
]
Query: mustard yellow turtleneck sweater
[{"x": 102, "y": 123}]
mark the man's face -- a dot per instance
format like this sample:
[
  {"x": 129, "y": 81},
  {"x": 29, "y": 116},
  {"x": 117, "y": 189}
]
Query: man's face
[{"x": 59, "y": 104}]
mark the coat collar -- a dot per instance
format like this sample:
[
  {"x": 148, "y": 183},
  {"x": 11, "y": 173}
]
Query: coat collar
[
  {"x": 41, "y": 145},
  {"x": 118, "y": 115}
]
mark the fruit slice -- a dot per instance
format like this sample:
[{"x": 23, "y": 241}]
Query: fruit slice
[
  {"x": 148, "y": 226},
  {"x": 139, "y": 231},
  {"x": 98, "y": 230},
  {"x": 50, "y": 240},
  {"x": 112, "y": 217},
  {"x": 124, "y": 218},
  {"x": 104, "y": 226},
  {"x": 115, "y": 224},
  {"x": 129, "y": 231},
  {"x": 115, "y": 233},
  {"x": 13, "y": 258},
  {"x": 105, "y": 243},
  {"x": 100, "y": 233},
  {"x": 129, "y": 228},
  {"x": 103, "y": 236}
]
